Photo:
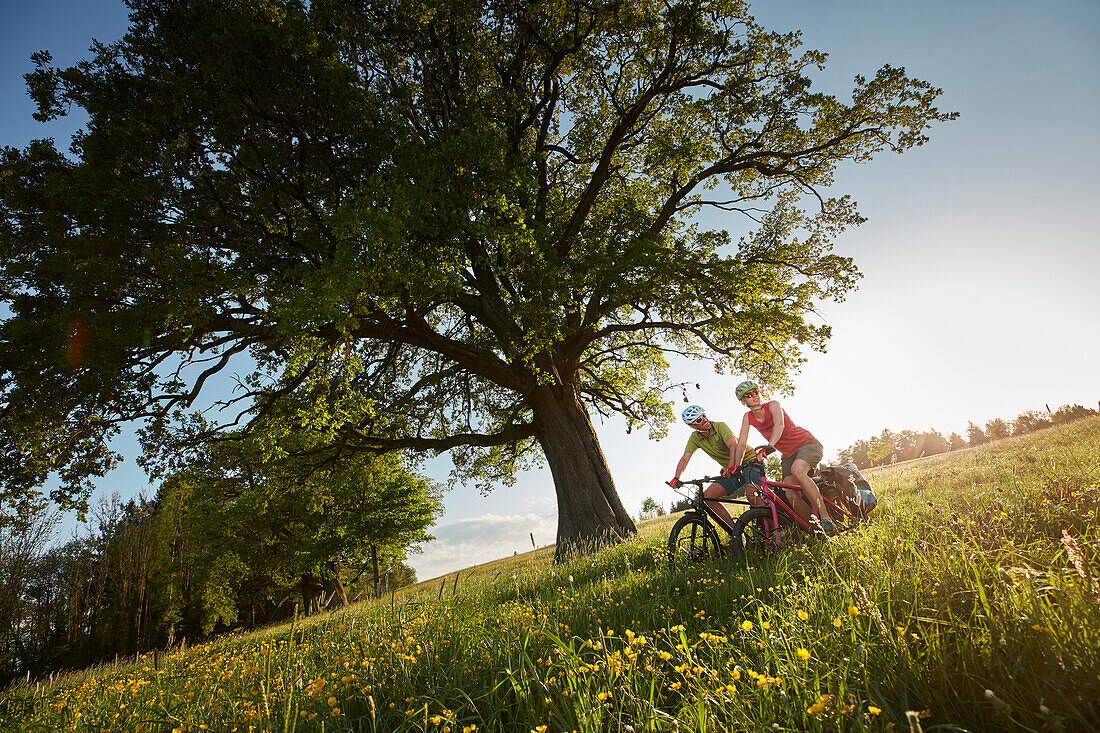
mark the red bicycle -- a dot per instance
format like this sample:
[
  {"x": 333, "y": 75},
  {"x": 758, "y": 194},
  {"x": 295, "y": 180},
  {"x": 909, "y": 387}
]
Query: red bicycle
[{"x": 764, "y": 526}]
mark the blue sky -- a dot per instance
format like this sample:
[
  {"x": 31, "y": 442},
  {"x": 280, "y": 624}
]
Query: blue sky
[{"x": 980, "y": 255}]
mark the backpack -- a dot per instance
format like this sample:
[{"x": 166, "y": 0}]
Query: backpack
[
  {"x": 846, "y": 486},
  {"x": 863, "y": 486}
]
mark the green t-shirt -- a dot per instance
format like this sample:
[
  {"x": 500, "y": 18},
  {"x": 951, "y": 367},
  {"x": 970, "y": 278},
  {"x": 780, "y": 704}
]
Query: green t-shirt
[{"x": 714, "y": 445}]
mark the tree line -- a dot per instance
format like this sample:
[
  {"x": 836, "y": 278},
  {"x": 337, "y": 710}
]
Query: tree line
[
  {"x": 905, "y": 445},
  {"x": 225, "y": 544}
]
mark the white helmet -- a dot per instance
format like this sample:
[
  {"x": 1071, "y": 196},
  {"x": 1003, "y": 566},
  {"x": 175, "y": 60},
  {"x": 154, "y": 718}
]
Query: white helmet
[{"x": 692, "y": 413}]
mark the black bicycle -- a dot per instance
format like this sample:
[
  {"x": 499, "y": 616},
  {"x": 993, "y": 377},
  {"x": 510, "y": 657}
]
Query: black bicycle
[{"x": 694, "y": 537}]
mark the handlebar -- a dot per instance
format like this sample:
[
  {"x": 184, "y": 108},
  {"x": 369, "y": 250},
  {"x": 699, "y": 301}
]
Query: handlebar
[
  {"x": 696, "y": 481},
  {"x": 761, "y": 451}
]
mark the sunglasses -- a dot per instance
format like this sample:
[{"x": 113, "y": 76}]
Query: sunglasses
[
  {"x": 702, "y": 419},
  {"x": 753, "y": 393}
]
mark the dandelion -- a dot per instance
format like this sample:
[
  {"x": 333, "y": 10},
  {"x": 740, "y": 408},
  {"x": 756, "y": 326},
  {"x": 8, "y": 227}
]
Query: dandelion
[
  {"x": 765, "y": 625},
  {"x": 819, "y": 707},
  {"x": 837, "y": 623},
  {"x": 747, "y": 626},
  {"x": 852, "y": 610},
  {"x": 803, "y": 654},
  {"x": 803, "y": 615}
]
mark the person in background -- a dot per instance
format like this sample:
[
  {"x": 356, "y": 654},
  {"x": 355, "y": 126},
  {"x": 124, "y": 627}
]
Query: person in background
[{"x": 801, "y": 451}]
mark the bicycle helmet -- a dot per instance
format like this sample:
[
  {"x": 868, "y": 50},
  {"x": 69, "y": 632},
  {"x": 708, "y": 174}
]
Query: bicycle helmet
[
  {"x": 744, "y": 388},
  {"x": 692, "y": 413}
]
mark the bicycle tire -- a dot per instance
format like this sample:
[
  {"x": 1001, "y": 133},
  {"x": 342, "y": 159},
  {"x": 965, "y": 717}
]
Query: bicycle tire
[
  {"x": 690, "y": 541},
  {"x": 748, "y": 531},
  {"x": 845, "y": 522}
]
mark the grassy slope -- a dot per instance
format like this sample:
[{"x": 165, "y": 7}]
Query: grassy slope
[{"x": 970, "y": 602}]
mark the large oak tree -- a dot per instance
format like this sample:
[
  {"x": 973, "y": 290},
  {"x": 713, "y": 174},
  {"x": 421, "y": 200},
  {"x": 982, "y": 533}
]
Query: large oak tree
[{"x": 460, "y": 226}]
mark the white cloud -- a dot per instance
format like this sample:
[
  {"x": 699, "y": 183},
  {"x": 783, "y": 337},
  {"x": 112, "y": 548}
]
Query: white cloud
[{"x": 477, "y": 540}]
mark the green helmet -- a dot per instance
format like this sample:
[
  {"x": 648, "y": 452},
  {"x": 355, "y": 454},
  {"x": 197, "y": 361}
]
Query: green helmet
[{"x": 744, "y": 388}]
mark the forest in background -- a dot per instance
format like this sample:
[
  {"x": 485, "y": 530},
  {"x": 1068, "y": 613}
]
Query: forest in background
[
  {"x": 905, "y": 445},
  {"x": 229, "y": 549}
]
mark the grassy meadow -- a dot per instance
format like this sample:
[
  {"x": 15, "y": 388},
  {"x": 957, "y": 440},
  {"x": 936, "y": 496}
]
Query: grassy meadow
[{"x": 971, "y": 601}]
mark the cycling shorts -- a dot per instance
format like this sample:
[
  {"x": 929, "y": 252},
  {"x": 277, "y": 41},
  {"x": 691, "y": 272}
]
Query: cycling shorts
[
  {"x": 751, "y": 473},
  {"x": 811, "y": 451}
]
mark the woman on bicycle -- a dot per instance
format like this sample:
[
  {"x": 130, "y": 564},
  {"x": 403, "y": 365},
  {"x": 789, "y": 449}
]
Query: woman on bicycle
[
  {"x": 717, "y": 441},
  {"x": 801, "y": 451}
]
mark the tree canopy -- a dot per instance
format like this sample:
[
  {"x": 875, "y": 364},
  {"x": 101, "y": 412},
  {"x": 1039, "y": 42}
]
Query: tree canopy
[{"x": 459, "y": 226}]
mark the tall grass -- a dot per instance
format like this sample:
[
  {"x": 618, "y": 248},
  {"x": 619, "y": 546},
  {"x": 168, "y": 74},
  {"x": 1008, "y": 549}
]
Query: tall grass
[{"x": 970, "y": 602}]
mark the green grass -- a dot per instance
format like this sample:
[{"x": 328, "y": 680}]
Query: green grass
[{"x": 970, "y": 602}]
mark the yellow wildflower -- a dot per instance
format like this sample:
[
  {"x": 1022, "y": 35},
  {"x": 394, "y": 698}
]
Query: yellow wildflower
[{"x": 803, "y": 654}]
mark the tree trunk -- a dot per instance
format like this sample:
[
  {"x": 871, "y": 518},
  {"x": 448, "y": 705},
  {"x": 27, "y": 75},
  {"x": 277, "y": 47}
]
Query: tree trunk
[
  {"x": 334, "y": 589},
  {"x": 311, "y": 588},
  {"x": 377, "y": 585},
  {"x": 590, "y": 514}
]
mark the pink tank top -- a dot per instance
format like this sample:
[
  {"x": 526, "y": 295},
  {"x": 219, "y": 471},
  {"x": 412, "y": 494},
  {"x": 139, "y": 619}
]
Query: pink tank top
[{"x": 792, "y": 437}]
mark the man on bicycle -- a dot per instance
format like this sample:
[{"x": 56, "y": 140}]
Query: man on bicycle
[
  {"x": 717, "y": 441},
  {"x": 801, "y": 451}
]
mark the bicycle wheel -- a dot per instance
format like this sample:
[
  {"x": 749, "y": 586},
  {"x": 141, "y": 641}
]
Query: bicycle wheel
[
  {"x": 749, "y": 534},
  {"x": 844, "y": 522},
  {"x": 691, "y": 541}
]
